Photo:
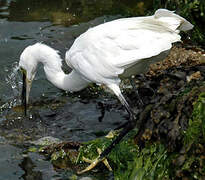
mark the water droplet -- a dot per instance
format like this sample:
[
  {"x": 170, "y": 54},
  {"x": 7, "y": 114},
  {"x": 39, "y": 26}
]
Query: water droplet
[{"x": 13, "y": 79}]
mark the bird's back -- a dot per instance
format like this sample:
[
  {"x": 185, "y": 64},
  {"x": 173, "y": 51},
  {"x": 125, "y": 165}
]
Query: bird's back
[{"x": 105, "y": 51}]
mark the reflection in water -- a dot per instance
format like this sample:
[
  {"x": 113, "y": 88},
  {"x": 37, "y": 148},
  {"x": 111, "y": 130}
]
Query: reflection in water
[
  {"x": 4, "y": 9},
  {"x": 68, "y": 12},
  {"x": 102, "y": 108},
  {"x": 28, "y": 167}
]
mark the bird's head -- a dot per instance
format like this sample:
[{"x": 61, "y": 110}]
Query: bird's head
[{"x": 27, "y": 65}]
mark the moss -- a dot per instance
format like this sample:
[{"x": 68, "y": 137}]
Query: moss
[
  {"x": 154, "y": 161},
  {"x": 194, "y": 140},
  {"x": 196, "y": 130},
  {"x": 150, "y": 163},
  {"x": 73, "y": 177},
  {"x": 58, "y": 154},
  {"x": 33, "y": 149},
  {"x": 128, "y": 162},
  {"x": 89, "y": 149},
  {"x": 120, "y": 158}
]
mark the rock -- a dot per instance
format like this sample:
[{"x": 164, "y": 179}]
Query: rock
[{"x": 46, "y": 141}]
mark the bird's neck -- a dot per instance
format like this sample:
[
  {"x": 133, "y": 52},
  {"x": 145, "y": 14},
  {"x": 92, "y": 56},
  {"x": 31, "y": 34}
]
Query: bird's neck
[
  {"x": 52, "y": 66},
  {"x": 69, "y": 82}
]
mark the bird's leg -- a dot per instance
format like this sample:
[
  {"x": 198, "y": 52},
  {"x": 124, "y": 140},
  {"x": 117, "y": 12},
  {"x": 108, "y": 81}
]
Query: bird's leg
[
  {"x": 129, "y": 126},
  {"x": 131, "y": 79},
  {"x": 121, "y": 126}
]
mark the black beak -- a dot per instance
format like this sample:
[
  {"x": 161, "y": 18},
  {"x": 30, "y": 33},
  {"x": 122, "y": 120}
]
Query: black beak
[{"x": 23, "y": 100}]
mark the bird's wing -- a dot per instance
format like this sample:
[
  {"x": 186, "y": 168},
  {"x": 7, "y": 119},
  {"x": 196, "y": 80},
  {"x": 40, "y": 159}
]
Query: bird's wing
[
  {"x": 131, "y": 41},
  {"x": 172, "y": 20},
  {"x": 105, "y": 51}
]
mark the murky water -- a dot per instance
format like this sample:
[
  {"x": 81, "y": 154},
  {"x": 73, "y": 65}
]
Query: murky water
[{"x": 77, "y": 117}]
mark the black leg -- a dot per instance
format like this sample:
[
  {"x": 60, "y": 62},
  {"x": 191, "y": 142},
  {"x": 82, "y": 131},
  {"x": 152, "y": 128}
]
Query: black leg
[
  {"x": 128, "y": 126},
  {"x": 117, "y": 140},
  {"x": 122, "y": 126}
]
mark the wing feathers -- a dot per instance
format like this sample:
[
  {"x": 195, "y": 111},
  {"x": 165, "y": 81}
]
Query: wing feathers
[{"x": 105, "y": 51}]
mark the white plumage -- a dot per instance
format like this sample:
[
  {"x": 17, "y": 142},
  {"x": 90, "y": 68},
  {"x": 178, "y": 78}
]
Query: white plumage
[
  {"x": 121, "y": 47},
  {"x": 104, "y": 52},
  {"x": 108, "y": 52}
]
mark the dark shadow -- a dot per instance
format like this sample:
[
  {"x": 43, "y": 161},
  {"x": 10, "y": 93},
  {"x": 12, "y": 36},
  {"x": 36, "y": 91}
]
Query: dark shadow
[{"x": 28, "y": 167}]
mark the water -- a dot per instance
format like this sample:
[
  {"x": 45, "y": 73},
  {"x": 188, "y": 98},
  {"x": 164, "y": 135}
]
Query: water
[{"x": 52, "y": 112}]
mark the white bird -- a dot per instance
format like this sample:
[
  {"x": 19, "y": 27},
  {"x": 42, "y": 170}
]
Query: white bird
[{"x": 104, "y": 54}]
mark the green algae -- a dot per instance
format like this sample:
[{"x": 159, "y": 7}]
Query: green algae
[
  {"x": 149, "y": 163},
  {"x": 89, "y": 149},
  {"x": 195, "y": 133},
  {"x": 33, "y": 149},
  {"x": 119, "y": 156},
  {"x": 194, "y": 141},
  {"x": 128, "y": 162},
  {"x": 58, "y": 154}
]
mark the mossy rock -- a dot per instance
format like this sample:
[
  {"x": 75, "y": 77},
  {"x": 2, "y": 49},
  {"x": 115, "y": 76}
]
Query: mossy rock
[{"x": 169, "y": 140}]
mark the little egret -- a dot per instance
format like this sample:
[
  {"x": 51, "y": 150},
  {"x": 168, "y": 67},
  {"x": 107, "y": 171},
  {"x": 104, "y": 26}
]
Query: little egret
[{"x": 104, "y": 54}]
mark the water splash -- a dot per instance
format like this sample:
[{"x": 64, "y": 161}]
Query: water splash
[{"x": 14, "y": 82}]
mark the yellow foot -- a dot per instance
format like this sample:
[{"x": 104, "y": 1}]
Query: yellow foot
[
  {"x": 94, "y": 162},
  {"x": 112, "y": 134}
]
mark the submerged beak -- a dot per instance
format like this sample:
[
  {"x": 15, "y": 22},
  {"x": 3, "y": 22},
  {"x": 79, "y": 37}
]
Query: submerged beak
[{"x": 25, "y": 91}]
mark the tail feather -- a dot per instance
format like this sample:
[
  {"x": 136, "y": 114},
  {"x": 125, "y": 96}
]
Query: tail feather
[{"x": 173, "y": 20}]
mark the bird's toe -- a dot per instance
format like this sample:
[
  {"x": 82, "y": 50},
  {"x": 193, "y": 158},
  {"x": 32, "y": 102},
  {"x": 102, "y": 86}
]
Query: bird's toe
[{"x": 94, "y": 162}]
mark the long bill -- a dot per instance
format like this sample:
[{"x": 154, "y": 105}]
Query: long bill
[
  {"x": 25, "y": 92},
  {"x": 23, "y": 95}
]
